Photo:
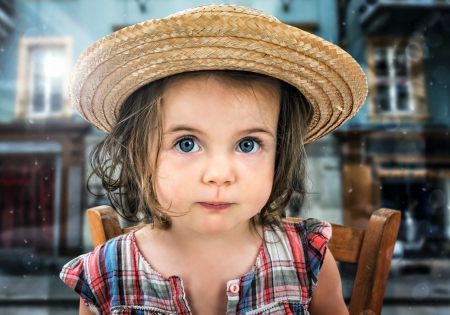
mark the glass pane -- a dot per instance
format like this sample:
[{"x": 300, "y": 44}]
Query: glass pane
[
  {"x": 381, "y": 62},
  {"x": 56, "y": 102},
  {"x": 38, "y": 102},
  {"x": 402, "y": 97},
  {"x": 47, "y": 74},
  {"x": 383, "y": 103}
]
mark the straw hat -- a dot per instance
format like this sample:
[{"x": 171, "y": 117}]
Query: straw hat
[{"x": 214, "y": 37}]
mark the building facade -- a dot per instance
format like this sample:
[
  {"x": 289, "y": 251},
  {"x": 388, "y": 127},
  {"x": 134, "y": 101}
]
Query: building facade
[{"x": 395, "y": 152}]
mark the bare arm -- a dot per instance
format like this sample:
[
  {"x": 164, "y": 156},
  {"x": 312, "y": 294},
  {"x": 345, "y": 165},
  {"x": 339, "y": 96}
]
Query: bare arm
[
  {"x": 84, "y": 310},
  {"x": 327, "y": 297}
]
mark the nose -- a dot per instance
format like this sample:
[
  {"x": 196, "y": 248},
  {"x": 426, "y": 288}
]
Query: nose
[{"x": 219, "y": 170}]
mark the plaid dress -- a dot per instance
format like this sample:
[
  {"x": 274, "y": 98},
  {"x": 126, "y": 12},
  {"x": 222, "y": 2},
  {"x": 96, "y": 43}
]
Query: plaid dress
[{"x": 116, "y": 279}]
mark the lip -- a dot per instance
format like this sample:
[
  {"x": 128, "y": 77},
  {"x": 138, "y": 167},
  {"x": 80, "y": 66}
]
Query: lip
[{"x": 215, "y": 205}]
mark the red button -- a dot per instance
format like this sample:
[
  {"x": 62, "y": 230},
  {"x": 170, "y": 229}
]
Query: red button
[{"x": 234, "y": 288}]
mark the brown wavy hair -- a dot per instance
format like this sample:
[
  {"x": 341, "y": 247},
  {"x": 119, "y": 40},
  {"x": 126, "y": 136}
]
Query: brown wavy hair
[{"x": 121, "y": 160}]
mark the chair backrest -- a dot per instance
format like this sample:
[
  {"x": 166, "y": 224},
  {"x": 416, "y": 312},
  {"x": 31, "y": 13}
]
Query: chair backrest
[{"x": 371, "y": 249}]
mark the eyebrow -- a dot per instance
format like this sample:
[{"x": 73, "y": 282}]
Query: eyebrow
[
  {"x": 176, "y": 128},
  {"x": 254, "y": 130}
]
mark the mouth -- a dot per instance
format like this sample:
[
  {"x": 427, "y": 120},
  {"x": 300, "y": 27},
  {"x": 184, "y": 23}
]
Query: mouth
[{"x": 215, "y": 205}]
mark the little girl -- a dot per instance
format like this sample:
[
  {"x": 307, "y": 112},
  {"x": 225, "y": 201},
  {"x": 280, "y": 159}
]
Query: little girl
[{"x": 207, "y": 112}]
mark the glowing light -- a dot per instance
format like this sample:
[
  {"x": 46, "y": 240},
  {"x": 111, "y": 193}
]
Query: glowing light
[{"x": 54, "y": 67}]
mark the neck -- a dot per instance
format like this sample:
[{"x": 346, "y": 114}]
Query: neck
[{"x": 184, "y": 238}]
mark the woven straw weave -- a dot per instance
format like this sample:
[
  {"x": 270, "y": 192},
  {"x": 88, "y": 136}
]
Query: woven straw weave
[{"x": 215, "y": 37}]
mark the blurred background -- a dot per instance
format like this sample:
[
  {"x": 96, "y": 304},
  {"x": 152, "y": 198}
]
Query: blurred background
[{"x": 394, "y": 153}]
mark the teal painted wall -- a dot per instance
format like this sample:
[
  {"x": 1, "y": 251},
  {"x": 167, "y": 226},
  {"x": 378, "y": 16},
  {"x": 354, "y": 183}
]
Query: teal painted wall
[{"x": 88, "y": 20}]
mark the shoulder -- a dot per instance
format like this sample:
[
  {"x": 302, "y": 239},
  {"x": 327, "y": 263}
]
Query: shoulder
[
  {"x": 89, "y": 274},
  {"x": 309, "y": 227},
  {"x": 310, "y": 233},
  {"x": 308, "y": 240},
  {"x": 324, "y": 281},
  {"x": 103, "y": 259}
]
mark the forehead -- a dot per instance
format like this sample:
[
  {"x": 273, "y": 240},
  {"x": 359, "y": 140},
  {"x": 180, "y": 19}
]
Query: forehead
[{"x": 213, "y": 97}]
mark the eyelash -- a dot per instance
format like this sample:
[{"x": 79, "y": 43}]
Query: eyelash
[
  {"x": 258, "y": 141},
  {"x": 183, "y": 138}
]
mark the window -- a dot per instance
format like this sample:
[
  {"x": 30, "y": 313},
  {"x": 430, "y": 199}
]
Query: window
[
  {"x": 396, "y": 79},
  {"x": 44, "y": 66}
]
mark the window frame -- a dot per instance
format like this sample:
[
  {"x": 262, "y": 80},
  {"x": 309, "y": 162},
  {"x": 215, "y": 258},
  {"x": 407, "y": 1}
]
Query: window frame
[
  {"x": 415, "y": 81},
  {"x": 24, "y": 83}
]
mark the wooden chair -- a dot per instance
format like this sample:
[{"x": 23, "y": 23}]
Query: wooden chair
[{"x": 371, "y": 249}]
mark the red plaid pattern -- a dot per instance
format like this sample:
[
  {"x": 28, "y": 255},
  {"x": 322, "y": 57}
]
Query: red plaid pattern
[{"x": 116, "y": 279}]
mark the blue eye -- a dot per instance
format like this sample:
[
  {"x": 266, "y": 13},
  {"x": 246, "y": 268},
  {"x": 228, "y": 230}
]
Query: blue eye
[
  {"x": 187, "y": 145},
  {"x": 248, "y": 146}
]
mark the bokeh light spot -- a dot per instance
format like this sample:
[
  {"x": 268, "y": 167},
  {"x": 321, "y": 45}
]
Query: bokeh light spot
[
  {"x": 413, "y": 52},
  {"x": 391, "y": 122},
  {"x": 34, "y": 33},
  {"x": 441, "y": 74},
  {"x": 437, "y": 198},
  {"x": 420, "y": 291},
  {"x": 31, "y": 262},
  {"x": 434, "y": 39}
]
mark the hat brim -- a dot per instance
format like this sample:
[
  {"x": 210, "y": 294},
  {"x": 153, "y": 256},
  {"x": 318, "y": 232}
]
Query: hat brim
[{"x": 217, "y": 37}]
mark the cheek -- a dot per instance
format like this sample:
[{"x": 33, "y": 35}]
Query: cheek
[
  {"x": 264, "y": 183},
  {"x": 267, "y": 177},
  {"x": 172, "y": 177},
  {"x": 164, "y": 182},
  {"x": 257, "y": 176},
  {"x": 262, "y": 164}
]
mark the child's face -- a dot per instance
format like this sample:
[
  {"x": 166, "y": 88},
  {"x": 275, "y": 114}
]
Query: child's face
[{"x": 218, "y": 146}]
